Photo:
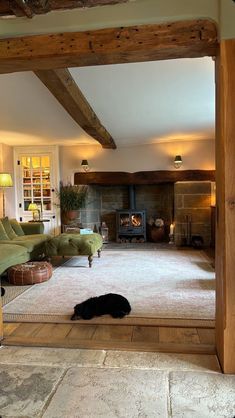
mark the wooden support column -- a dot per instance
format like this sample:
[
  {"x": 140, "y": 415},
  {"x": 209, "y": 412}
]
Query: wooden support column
[
  {"x": 1, "y": 324},
  {"x": 225, "y": 191}
]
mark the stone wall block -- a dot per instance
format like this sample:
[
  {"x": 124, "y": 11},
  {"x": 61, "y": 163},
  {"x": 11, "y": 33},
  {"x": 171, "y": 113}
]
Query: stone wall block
[
  {"x": 193, "y": 187},
  {"x": 197, "y": 215},
  {"x": 196, "y": 201}
]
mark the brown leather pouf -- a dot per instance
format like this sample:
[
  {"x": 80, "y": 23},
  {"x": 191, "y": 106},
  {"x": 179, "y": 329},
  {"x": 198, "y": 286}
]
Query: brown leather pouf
[{"x": 30, "y": 273}]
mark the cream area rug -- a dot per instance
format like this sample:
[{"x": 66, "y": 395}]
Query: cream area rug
[{"x": 158, "y": 284}]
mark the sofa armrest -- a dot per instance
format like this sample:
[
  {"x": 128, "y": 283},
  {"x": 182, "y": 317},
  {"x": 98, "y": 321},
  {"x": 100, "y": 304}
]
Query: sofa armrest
[{"x": 31, "y": 228}]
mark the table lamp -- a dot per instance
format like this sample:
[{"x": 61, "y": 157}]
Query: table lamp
[
  {"x": 5, "y": 181},
  {"x": 34, "y": 208}
]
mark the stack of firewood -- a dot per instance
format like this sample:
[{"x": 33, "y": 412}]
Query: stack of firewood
[{"x": 130, "y": 240}]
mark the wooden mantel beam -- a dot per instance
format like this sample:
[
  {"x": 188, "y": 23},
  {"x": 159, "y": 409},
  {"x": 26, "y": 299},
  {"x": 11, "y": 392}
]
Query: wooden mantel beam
[
  {"x": 188, "y": 39},
  {"x": 62, "y": 85},
  {"x": 30, "y": 7},
  {"x": 108, "y": 178}
]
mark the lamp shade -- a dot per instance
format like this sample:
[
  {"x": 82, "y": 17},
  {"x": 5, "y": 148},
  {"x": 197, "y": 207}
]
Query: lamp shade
[
  {"x": 5, "y": 180},
  {"x": 32, "y": 206}
]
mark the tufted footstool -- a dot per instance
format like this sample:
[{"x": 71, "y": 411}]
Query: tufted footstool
[
  {"x": 30, "y": 273},
  {"x": 75, "y": 245}
]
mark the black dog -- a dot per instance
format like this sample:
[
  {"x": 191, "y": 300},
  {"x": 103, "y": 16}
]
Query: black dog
[
  {"x": 115, "y": 305},
  {"x": 2, "y": 291}
]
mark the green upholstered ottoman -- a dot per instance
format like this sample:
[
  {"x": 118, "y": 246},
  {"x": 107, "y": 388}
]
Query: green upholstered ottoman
[{"x": 74, "y": 245}]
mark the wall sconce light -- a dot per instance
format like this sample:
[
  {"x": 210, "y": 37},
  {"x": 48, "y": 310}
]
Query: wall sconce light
[
  {"x": 5, "y": 181},
  {"x": 178, "y": 161},
  {"x": 85, "y": 165}
]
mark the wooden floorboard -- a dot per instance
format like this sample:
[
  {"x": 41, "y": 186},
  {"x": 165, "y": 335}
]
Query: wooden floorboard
[
  {"x": 178, "y": 335},
  {"x": 206, "y": 336},
  {"x": 111, "y": 337},
  {"x": 147, "y": 334}
]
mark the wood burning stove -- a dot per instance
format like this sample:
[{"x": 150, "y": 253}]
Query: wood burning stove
[{"x": 131, "y": 223}]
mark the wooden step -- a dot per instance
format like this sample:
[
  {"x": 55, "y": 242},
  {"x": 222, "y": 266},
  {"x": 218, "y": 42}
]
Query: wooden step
[{"x": 111, "y": 337}]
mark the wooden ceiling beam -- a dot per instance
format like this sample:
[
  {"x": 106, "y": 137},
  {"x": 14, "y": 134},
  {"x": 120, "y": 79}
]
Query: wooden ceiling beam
[
  {"x": 25, "y": 6},
  {"x": 63, "y": 87},
  {"x": 30, "y": 7},
  {"x": 109, "y": 178},
  {"x": 189, "y": 39}
]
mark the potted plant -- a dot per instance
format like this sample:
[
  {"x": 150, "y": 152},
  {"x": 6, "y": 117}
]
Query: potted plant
[{"x": 71, "y": 199}]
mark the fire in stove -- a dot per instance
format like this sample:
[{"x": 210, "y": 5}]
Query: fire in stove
[
  {"x": 136, "y": 220},
  {"x": 125, "y": 220}
]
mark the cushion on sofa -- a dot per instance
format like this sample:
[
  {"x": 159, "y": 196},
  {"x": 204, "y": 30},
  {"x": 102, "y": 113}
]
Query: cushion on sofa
[
  {"x": 11, "y": 254},
  {"x": 11, "y": 251},
  {"x": 31, "y": 241},
  {"x": 8, "y": 228},
  {"x": 31, "y": 228},
  {"x": 17, "y": 227},
  {"x": 3, "y": 234}
]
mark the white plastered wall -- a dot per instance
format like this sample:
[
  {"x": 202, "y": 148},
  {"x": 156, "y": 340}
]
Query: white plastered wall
[
  {"x": 6, "y": 165},
  {"x": 195, "y": 155}
]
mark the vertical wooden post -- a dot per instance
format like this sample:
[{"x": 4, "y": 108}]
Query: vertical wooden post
[
  {"x": 225, "y": 206},
  {"x": 1, "y": 323}
]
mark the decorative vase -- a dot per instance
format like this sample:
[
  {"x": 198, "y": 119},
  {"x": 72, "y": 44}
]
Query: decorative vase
[
  {"x": 156, "y": 234},
  {"x": 69, "y": 216}
]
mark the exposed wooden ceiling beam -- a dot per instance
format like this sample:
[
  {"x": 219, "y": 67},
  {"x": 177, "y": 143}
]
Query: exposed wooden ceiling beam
[
  {"x": 62, "y": 85},
  {"x": 143, "y": 177},
  {"x": 189, "y": 39},
  {"x": 30, "y": 7},
  {"x": 21, "y": 8}
]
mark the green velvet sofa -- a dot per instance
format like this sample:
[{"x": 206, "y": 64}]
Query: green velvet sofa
[{"x": 20, "y": 242}]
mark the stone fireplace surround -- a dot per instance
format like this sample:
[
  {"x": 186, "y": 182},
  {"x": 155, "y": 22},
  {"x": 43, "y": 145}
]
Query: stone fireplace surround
[{"x": 171, "y": 201}]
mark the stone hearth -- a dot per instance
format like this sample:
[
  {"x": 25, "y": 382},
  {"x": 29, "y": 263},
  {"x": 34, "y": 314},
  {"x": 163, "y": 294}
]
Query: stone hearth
[
  {"x": 170, "y": 201},
  {"x": 104, "y": 201}
]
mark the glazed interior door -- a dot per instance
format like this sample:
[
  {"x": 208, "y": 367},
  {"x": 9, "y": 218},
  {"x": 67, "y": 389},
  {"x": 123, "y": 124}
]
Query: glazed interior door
[{"x": 37, "y": 180}]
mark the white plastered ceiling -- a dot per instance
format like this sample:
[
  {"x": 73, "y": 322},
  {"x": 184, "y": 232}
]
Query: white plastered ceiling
[{"x": 139, "y": 103}]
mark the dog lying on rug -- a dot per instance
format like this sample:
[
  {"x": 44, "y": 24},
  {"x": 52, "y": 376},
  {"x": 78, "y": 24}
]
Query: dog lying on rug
[{"x": 112, "y": 304}]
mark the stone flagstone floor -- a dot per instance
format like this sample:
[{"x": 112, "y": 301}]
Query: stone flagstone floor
[{"x": 73, "y": 383}]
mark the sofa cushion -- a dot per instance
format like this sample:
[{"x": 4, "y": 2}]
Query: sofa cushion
[
  {"x": 31, "y": 228},
  {"x": 11, "y": 254},
  {"x": 8, "y": 228},
  {"x": 31, "y": 241},
  {"x": 3, "y": 234},
  {"x": 11, "y": 251},
  {"x": 17, "y": 227}
]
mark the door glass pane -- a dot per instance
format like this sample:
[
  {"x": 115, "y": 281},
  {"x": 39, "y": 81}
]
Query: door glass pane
[
  {"x": 45, "y": 161},
  {"x": 26, "y": 162},
  {"x": 36, "y": 182},
  {"x": 36, "y": 162}
]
